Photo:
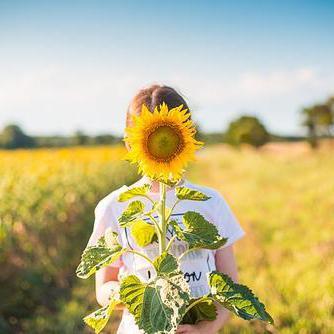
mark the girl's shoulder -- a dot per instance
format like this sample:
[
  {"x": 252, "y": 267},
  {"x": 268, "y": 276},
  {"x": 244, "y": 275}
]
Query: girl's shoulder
[
  {"x": 110, "y": 203},
  {"x": 107, "y": 202},
  {"x": 221, "y": 214},
  {"x": 214, "y": 194}
]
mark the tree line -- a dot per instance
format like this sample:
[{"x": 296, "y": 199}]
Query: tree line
[
  {"x": 318, "y": 119},
  {"x": 13, "y": 137}
]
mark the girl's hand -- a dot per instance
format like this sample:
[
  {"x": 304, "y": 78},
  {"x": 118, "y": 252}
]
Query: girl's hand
[
  {"x": 206, "y": 326},
  {"x": 203, "y": 327}
]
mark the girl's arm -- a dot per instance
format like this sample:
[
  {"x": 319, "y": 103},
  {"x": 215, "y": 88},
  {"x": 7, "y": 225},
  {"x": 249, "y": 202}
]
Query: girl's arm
[
  {"x": 225, "y": 262},
  {"x": 106, "y": 280}
]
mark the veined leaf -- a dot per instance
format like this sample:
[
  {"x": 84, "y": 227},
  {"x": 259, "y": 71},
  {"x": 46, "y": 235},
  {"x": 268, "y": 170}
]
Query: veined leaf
[
  {"x": 167, "y": 182},
  {"x": 237, "y": 298},
  {"x": 95, "y": 257},
  {"x": 198, "y": 232},
  {"x": 133, "y": 192},
  {"x": 132, "y": 294},
  {"x": 205, "y": 310},
  {"x": 165, "y": 264},
  {"x": 158, "y": 307},
  {"x": 132, "y": 212},
  {"x": 143, "y": 233},
  {"x": 190, "y": 194},
  {"x": 98, "y": 319}
]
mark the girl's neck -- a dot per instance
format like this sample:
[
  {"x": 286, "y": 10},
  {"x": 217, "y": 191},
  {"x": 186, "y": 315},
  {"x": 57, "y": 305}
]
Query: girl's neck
[{"x": 155, "y": 184}]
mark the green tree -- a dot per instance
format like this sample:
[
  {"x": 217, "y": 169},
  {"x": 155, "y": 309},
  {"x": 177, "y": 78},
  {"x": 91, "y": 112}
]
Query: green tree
[
  {"x": 309, "y": 123},
  {"x": 13, "y": 137},
  {"x": 319, "y": 121},
  {"x": 248, "y": 130},
  {"x": 330, "y": 106},
  {"x": 106, "y": 139},
  {"x": 80, "y": 138}
]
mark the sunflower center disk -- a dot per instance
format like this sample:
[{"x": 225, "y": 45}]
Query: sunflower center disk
[{"x": 164, "y": 143}]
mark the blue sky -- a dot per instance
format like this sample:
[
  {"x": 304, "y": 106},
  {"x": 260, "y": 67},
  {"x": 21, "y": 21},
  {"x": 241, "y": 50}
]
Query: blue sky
[{"x": 69, "y": 65}]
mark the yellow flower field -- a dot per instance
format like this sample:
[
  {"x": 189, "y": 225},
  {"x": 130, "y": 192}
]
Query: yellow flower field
[
  {"x": 46, "y": 215},
  {"x": 283, "y": 196}
]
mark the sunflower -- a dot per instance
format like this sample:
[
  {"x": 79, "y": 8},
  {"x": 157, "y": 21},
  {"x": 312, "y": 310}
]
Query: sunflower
[{"x": 162, "y": 142}]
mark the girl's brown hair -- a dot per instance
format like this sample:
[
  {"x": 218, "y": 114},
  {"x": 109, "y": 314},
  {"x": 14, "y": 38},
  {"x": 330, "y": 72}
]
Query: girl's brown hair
[{"x": 152, "y": 97}]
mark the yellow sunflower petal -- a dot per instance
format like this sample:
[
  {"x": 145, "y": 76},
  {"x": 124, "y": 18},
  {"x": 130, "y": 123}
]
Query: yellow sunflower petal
[{"x": 162, "y": 142}]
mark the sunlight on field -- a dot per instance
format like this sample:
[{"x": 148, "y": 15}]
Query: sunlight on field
[
  {"x": 282, "y": 195},
  {"x": 46, "y": 216},
  {"x": 284, "y": 198}
]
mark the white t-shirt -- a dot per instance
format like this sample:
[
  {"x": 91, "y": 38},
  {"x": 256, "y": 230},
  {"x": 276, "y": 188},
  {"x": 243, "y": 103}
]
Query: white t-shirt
[{"x": 195, "y": 265}]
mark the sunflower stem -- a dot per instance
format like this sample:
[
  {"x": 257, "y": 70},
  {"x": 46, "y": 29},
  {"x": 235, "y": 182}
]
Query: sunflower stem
[
  {"x": 162, "y": 236},
  {"x": 171, "y": 242},
  {"x": 187, "y": 252},
  {"x": 141, "y": 255}
]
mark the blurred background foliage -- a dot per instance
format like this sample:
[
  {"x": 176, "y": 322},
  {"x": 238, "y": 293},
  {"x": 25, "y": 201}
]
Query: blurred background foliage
[
  {"x": 46, "y": 215},
  {"x": 317, "y": 119},
  {"x": 282, "y": 194}
]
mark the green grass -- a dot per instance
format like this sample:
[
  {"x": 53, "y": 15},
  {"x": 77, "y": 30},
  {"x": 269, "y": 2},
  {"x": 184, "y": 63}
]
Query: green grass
[
  {"x": 283, "y": 197},
  {"x": 285, "y": 202}
]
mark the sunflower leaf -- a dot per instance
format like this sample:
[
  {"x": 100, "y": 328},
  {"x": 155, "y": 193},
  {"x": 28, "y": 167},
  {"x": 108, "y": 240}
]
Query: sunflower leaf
[
  {"x": 132, "y": 294},
  {"x": 166, "y": 181},
  {"x": 165, "y": 264},
  {"x": 134, "y": 210},
  {"x": 143, "y": 233},
  {"x": 95, "y": 257},
  {"x": 98, "y": 319},
  {"x": 238, "y": 298},
  {"x": 184, "y": 193},
  {"x": 133, "y": 192},
  {"x": 158, "y": 306},
  {"x": 198, "y": 232},
  {"x": 204, "y": 310}
]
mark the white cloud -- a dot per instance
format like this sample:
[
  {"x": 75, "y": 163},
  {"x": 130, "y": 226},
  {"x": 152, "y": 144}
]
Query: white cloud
[
  {"x": 55, "y": 97},
  {"x": 275, "y": 83},
  {"x": 275, "y": 96},
  {"x": 252, "y": 86}
]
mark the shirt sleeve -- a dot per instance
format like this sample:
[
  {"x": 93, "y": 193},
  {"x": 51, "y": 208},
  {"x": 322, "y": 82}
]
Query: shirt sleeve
[
  {"x": 226, "y": 222},
  {"x": 103, "y": 219}
]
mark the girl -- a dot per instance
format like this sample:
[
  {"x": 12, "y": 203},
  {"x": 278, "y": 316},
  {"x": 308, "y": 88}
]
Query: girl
[{"x": 196, "y": 264}]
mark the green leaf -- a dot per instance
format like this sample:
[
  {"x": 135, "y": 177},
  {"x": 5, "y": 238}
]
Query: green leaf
[
  {"x": 198, "y": 232},
  {"x": 143, "y": 233},
  {"x": 98, "y": 319},
  {"x": 132, "y": 294},
  {"x": 238, "y": 298},
  {"x": 95, "y": 257},
  {"x": 158, "y": 306},
  {"x": 133, "y": 192},
  {"x": 205, "y": 310},
  {"x": 165, "y": 264},
  {"x": 167, "y": 182},
  {"x": 131, "y": 213},
  {"x": 184, "y": 193}
]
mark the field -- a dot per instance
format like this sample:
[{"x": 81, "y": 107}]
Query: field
[{"x": 282, "y": 194}]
